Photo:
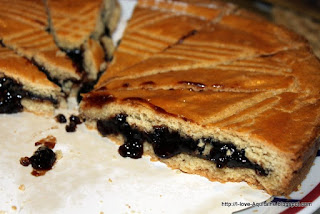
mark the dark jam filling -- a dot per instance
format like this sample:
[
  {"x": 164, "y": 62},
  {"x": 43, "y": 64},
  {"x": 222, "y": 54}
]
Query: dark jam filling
[
  {"x": 11, "y": 94},
  {"x": 73, "y": 122},
  {"x": 43, "y": 158},
  {"x": 107, "y": 32},
  {"x": 76, "y": 55},
  {"x": 87, "y": 86},
  {"x": 60, "y": 118},
  {"x": 167, "y": 144},
  {"x": 41, "y": 161}
]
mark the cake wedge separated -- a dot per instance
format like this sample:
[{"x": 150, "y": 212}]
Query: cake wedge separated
[
  {"x": 80, "y": 27},
  {"x": 24, "y": 88}
]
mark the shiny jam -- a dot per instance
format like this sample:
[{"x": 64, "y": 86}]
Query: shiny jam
[{"x": 168, "y": 143}]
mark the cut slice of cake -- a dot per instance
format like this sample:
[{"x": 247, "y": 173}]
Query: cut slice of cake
[
  {"x": 23, "y": 29},
  {"x": 150, "y": 29},
  {"x": 237, "y": 100},
  {"x": 213, "y": 45},
  {"x": 26, "y": 30},
  {"x": 73, "y": 22},
  {"x": 82, "y": 29},
  {"x": 24, "y": 88}
]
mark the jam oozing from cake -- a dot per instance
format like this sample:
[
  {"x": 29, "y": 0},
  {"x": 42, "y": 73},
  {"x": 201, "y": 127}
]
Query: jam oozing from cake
[
  {"x": 11, "y": 94},
  {"x": 87, "y": 86},
  {"x": 77, "y": 58},
  {"x": 133, "y": 144},
  {"x": 167, "y": 144}
]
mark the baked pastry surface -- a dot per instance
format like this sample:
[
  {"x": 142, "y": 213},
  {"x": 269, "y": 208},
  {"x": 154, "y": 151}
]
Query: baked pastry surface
[
  {"x": 148, "y": 33},
  {"x": 26, "y": 34},
  {"x": 26, "y": 28},
  {"x": 235, "y": 100},
  {"x": 79, "y": 27}
]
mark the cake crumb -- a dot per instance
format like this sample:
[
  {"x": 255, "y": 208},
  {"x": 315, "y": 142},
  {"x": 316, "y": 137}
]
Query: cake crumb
[
  {"x": 110, "y": 180},
  {"x": 128, "y": 206},
  {"x": 59, "y": 154},
  {"x": 101, "y": 212},
  {"x": 3, "y": 212},
  {"x": 299, "y": 187},
  {"x": 22, "y": 187},
  {"x": 54, "y": 127},
  {"x": 14, "y": 207},
  {"x": 255, "y": 211},
  {"x": 160, "y": 196},
  {"x": 60, "y": 53}
]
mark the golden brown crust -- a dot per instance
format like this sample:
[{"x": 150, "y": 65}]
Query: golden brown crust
[
  {"x": 239, "y": 79},
  {"x": 80, "y": 26},
  {"x": 24, "y": 72},
  {"x": 73, "y": 22},
  {"x": 93, "y": 57},
  {"x": 148, "y": 33},
  {"x": 32, "y": 80},
  {"x": 27, "y": 36},
  {"x": 25, "y": 29}
]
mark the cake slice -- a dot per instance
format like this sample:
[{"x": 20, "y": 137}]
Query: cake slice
[
  {"x": 82, "y": 30},
  {"x": 73, "y": 22},
  {"x": 215, "y": 44},
  {"x": 150, "y": 29},
  {"x": 23, "y": 29},
  {"x": 238, "y": 100},
  {"x": 24, "y": 88}
]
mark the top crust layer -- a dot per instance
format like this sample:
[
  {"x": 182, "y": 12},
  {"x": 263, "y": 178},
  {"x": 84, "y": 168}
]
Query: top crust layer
[{"x": 22, "y": 70}]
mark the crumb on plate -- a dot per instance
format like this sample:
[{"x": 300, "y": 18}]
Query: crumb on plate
[{"x": 22, "y": 187}]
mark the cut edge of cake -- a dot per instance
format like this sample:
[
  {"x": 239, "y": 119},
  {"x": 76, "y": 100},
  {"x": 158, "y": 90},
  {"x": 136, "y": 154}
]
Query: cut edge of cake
[
  {"x": 274, "y": 170},
  {"x": 26, "y": 88}
]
